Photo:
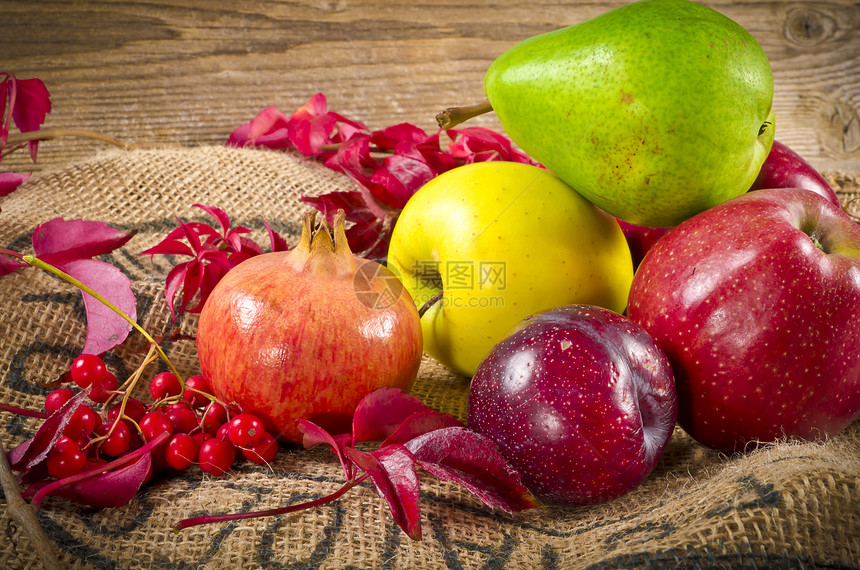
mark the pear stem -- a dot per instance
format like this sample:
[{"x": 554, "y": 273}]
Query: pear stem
[{"x": 453, "y": 116}]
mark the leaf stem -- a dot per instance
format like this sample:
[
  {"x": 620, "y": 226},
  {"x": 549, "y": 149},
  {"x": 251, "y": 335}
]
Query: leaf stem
[
  {"x": 23, "y": 411},
  {"x": 208, "y": 519},
  {"x": 11, "y": 253},
  {"x": 34, "y": 261},
  {"x": 17, "y": 140},
  {"x": 453, "y": 116}
]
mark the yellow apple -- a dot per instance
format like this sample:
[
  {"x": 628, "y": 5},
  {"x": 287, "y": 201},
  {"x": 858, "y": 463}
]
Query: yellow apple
[{"x": 500, "y": 241}]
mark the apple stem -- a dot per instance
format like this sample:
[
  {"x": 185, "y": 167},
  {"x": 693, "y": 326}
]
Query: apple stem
[
  {"x": 208, "y": 519},
  {"x": 34, "y": 261},
  {"x": 430, "y": 302},
  {"x": 453, "y": 116}
]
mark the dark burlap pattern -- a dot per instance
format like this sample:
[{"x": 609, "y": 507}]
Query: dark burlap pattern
[{"x": 787, "y": 505}]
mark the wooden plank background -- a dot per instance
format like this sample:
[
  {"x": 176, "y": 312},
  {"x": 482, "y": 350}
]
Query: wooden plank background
[{"x": 189, "y": 71}]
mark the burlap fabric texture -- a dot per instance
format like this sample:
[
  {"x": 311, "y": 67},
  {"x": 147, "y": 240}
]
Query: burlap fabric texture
[{"x": 787, "y": 505}]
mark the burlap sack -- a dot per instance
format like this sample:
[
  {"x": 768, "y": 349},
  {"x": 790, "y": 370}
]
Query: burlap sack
[{"x": 788, "y": 505}]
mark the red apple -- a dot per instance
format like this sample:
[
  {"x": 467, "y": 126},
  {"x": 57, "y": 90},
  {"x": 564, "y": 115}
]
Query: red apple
[
  {"x": 640, "y": 239},
  {"x": 756, "y": 302},
  {"x": 783, "y": 168},
  {"x": 580, "y": 400}
]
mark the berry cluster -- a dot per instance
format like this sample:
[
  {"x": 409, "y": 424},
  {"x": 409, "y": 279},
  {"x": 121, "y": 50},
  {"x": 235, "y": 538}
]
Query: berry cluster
[{"x": 200, "y": 429}]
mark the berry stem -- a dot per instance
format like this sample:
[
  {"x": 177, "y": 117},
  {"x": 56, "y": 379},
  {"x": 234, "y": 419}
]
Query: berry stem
[
  {"x": 453, "y": 116},
  {"x": 34, "y": 261},
  {"x": 209, "y": 519}
]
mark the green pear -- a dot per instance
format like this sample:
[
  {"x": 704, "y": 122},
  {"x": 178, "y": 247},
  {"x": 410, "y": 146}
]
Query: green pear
[{"x": 654, "y": 111}]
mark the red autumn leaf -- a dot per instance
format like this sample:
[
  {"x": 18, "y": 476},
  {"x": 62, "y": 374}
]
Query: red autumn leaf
[
  {"x": 269, "y": 122},
  {"x": 109, "y": 489},
  {"x": 312, "y": 126},
  {"x": 390, "y": 137},
  {"x": 213, "y": 251},
  {"x": 366, "y": 234},
  {"x": 392, "y": 471},
  {"x": 133, "y": 469},
  {"x": 420, "y": 423},
  {"x": 268, "y": 129},
  {"x": 371, "y": 240},
  {"x": 105, "y": 328},
  {"x": 380, "y": 412},
  {"x": 351, "y": 203},
  {"x": 10, "y": 181},
  {"x": 32, "y": 452},
  {"x": 33, "y": 103},
  {"x": 7, "y": 265},
  {"x": 401, "y": 176},
  {"x": 479, "y": 144},
  {"x": 307, "y": 130},
  {"x": 70, "y": 245},
  {"x": 384, "y": 184},
  {"x": 58, "y": 241},
  {"x": 313, "y": 435},
  {"x": 276, "y": 241},
  {"x": 468, "y": 458},
  {"x": 28, "y": 104}
]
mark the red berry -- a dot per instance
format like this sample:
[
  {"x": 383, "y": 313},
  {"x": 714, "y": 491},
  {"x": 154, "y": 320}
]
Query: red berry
[
  {"x": 245, "y": 430},
  {"x": 133, "y": 409},
  {"x": 184, "y": 419},
  {"x": 165, "y": 385},
  {"x": 201, "y": 436},
  {"x": 181, "y": 451},
  {"x": 55, "y": 400},
  {"x": 65, "y": 462},
  {"x": 102, "y": 390},
  {"x": 86, "y": 369},
  {"x": 65, "y": 445},
  {"x": 263, "y": 451},
  {"x": 118, "y": 442},
  {"x": 93, "y": 462},
  {"x": 214, "y": 417},
  {"x": 216, "y": 456},
  {"x": 224, "y": 432},
  {"x": 197, "y": 383},
  {"x": 155, "y": 423},
  {"x": 82, "y": 423}
]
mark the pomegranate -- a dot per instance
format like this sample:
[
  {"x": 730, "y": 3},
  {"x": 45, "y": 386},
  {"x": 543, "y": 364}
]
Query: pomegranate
[{"x": 306, "y": 334}]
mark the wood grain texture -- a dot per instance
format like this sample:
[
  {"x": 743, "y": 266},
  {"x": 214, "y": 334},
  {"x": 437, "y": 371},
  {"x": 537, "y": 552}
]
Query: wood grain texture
[{"x": 188, "y": 71}]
